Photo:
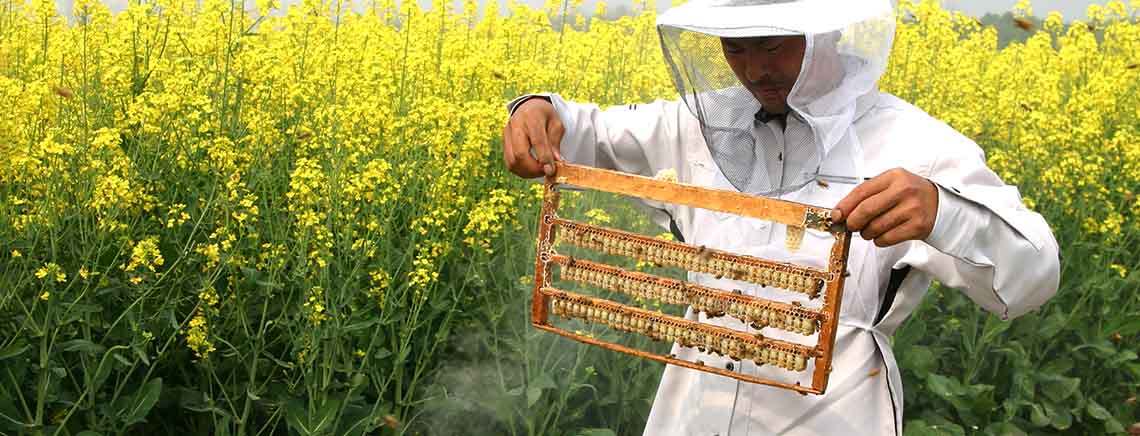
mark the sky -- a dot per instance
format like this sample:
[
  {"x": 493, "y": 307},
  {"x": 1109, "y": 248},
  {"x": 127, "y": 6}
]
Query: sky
[{"x": 1070, "y": 9}]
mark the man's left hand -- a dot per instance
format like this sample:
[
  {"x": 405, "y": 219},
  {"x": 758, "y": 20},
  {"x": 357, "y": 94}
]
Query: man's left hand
[{"x": 893, "y": 207}]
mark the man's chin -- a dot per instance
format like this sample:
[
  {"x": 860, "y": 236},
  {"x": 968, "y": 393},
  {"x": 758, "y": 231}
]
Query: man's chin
[
  {"x": 771, "y": 105},
  {"x": 774, "y": 108}
]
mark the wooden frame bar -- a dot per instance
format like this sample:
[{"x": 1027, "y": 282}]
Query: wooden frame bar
[{"x": 802, "y": 279}]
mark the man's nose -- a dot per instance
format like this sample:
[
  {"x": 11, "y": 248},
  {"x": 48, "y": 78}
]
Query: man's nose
[{"x": 756, "y": 68}]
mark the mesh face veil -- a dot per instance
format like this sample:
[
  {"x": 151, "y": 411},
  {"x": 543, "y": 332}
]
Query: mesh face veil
[{"x": 846, "y": 43}]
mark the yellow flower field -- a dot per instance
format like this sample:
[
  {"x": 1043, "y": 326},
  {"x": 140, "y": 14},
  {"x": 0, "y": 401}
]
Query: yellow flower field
[{"x": 300, "y": 224}]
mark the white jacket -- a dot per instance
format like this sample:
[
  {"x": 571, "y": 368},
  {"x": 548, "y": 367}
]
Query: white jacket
[{"x": 985, "y": 243}]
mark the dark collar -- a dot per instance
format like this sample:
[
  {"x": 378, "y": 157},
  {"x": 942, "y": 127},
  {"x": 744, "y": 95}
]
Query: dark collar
[{"x": 762, "y": 116}]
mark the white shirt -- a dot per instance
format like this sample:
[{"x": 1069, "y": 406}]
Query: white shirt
[{"x": 984, "y": 242}]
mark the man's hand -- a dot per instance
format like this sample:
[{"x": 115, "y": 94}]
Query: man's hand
[
  {"x": 534, "y": 125},
  {"x": 893, "y": 207}
]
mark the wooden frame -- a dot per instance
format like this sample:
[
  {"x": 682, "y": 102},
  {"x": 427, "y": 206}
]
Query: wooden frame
[{"x": 738, "y": 345}]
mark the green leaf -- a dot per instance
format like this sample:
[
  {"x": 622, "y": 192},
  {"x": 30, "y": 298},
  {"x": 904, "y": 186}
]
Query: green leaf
[
  {"x": 1058, "y": 387},
  {"x": 103, "y": 370},
  {"x": 1102, "y": 348},
  {"x": 88, "y": 433},
  {"x": 1052, "y": 325},
  {"x": 196, "y": 401},
  {"x": 936, "y": 425},
  {"x": 1129, "y": 328},
  {"x": 941, "y": 385},
  {"x": 918, "y": 427},
  {"x": 121, "y": 359},
  {"x": 994, "y": 327},
  {"x": 85, "y": 308},
  {"x": 1059, "y": 417},
  {"x": 596, "y": 432},
  {"x": 1113, "y": 426},
  {"x": 79, "y": 310},
  {"x": 13, "y": 350},
  {"x": 223, "y": 426},
  {"x": 533, "y": 393},
  {"x": 1121, "y": 358},
  {"x": 1023, "y": 386},
  {"x": 544, "y": 382},
  {"x": 1004, "y": 429},
  {"x": 138, "y": 406},
  {"x": 1037, "y": 416},
  {"x": 539, "y": 384},
  {"x": 361, "y": 325},
  {"x": 919, "y": 359},
  {"x": 1059, "y": 365},
  {"x": 1097, "y": 411},
  {"x": 82, "y": 346},
  {"x": 10, "y": 417},
  {"x": 141, "y": 354},
  {"x": 310, "y": 422}
]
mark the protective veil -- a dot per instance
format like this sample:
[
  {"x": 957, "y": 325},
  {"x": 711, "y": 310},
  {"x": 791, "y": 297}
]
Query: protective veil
[{"x": 847, "y": 43}]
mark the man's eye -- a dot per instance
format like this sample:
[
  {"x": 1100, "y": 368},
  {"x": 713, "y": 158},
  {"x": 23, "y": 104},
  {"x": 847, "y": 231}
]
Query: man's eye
[{"x": 773, "y": 48}]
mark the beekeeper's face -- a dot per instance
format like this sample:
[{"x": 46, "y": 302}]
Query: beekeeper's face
[{"x": 767, "y": 66}]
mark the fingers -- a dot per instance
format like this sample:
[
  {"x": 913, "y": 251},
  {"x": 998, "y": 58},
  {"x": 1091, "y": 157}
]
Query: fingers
[
  {"x": 865, "y": 190},
  {"x": 531, "y": 139},
  {"x": 554, "y": 132},
  {"x": 542, "y": 148},
  {"x": 525, "y": 165},
  {"x": 894, "y": 236},
  {"x": 893, "y": 207},
  {"x": 884, "y": 224},
  {"x": 870, "y": 208},
  {"x": 508, "y": 147}
]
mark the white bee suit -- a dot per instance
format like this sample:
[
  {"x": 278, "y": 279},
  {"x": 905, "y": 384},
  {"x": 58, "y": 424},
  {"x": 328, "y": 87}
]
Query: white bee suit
[{"x": 985, "y": 242}]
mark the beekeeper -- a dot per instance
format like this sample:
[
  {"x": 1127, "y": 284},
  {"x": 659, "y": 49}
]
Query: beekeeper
[{"x": 778, "y": 98}]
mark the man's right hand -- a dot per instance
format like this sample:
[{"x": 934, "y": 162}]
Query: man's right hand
[{"x": 534, "y": 125}]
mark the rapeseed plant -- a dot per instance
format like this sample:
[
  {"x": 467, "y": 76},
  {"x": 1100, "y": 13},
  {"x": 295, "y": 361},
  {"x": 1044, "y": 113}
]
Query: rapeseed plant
[{"x": 295, "y": 211}]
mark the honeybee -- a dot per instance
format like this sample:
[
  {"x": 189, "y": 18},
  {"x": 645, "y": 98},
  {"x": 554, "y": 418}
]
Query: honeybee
[
  {"x": 391, "y": 421},
  {"x": 704, "y": 254},
  {"x": 1023, "y": 23}
]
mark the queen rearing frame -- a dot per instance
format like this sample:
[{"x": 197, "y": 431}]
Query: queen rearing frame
[{"x": 549, "y": 301}]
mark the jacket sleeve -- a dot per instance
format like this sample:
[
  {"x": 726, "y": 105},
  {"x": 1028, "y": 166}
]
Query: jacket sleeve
[
  {"x": 639, "y": 139},
  {"x": 985, "y": 241}
]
